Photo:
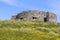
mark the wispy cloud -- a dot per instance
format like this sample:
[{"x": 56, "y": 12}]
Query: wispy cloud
[
  {"x": 16, "y": 3},
  {"x": 10, "y": 2}
]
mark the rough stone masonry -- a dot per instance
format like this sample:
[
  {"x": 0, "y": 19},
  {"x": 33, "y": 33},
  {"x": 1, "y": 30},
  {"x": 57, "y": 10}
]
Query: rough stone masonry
[{"x": 36, "y": 15}]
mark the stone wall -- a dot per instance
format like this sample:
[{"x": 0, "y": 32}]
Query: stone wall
[{"x": 36, "y": 15}]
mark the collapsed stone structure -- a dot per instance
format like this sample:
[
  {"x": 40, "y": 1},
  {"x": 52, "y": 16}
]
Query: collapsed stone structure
[{"x": 36, "y": 15}]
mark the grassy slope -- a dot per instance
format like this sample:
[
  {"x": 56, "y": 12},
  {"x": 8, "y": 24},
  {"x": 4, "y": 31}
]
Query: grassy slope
[{"x": 29, "y": 30}]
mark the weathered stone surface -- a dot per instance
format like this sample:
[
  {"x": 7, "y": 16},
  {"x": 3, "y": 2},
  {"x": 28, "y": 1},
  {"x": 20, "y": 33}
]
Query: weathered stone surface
[{"x": 36, "y": 15}]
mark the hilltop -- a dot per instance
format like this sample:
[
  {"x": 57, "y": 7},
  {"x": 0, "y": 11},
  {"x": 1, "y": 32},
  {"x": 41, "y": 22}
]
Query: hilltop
[{"x": 29, "y": 30}]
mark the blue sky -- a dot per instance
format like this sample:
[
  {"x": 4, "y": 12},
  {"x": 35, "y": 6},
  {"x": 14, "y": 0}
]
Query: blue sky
[{"x": 12, "y": 7}]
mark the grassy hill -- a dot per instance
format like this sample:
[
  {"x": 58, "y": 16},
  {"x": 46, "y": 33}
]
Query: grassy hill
[{"x": 29, "y": 30}]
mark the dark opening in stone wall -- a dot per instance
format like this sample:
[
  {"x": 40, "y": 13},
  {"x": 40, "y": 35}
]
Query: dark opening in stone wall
[
  {"x": 45, "y": 19},
  {"x": 34, "y": 17}
]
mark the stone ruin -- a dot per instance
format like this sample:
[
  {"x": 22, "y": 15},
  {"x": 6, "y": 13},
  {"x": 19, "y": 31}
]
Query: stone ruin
[{"x": 36, "y": 15}]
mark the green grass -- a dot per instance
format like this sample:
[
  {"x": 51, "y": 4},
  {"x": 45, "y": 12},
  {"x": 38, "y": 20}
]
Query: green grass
[{"x": 29, "y": 30}]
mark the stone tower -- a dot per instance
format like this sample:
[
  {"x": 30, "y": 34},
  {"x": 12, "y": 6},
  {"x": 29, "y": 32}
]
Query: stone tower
[{"x": 36, "y": 15}]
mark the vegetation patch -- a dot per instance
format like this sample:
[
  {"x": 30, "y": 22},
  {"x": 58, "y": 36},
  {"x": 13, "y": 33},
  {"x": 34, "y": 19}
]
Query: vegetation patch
[{"x": 29, "y": 30}]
